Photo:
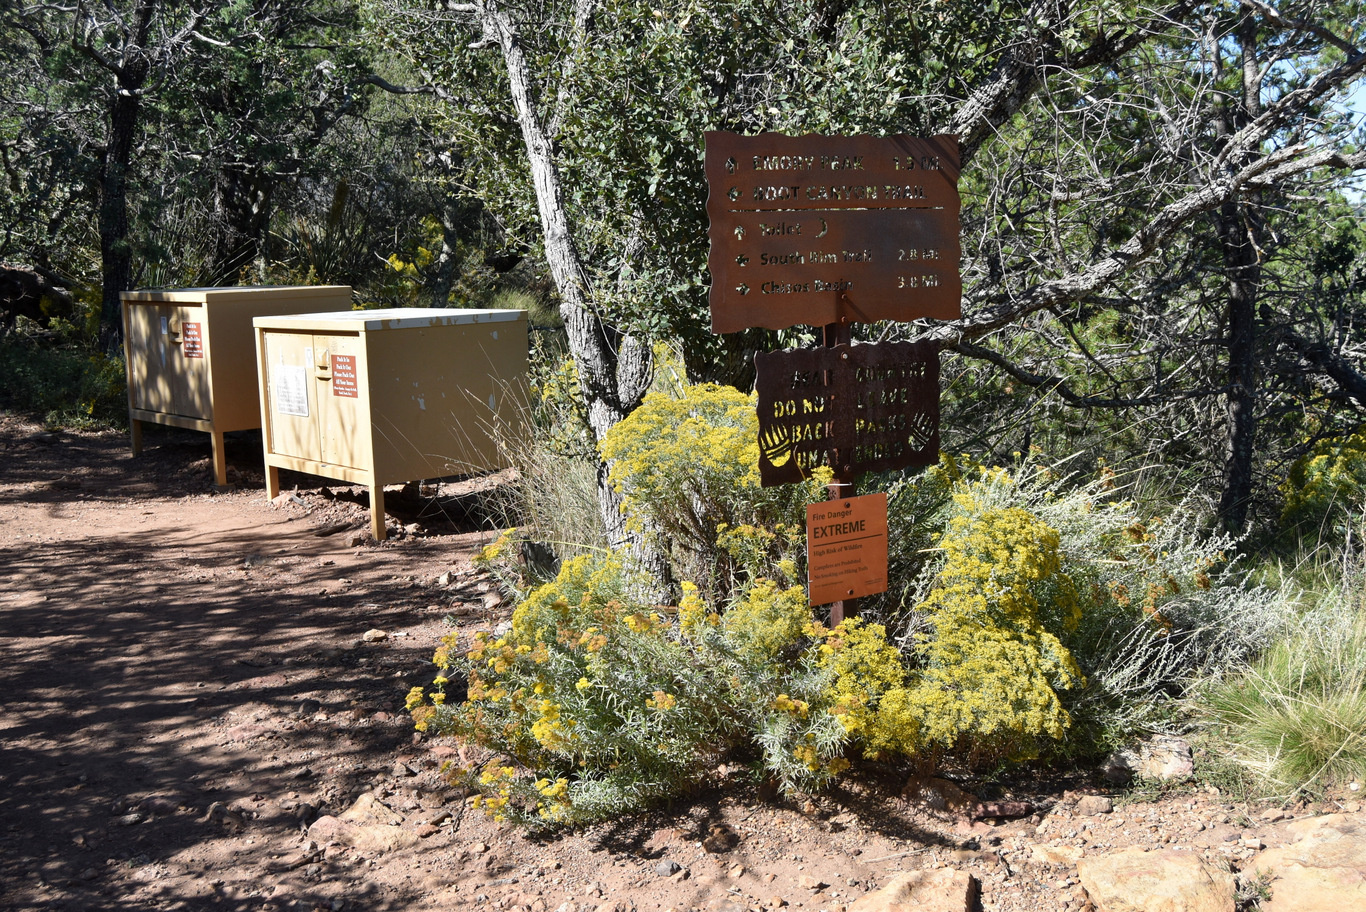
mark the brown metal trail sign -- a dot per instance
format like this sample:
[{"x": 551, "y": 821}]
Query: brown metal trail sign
[
  {"x": 855, "y": 408},
  {"x": 818, "y": 230}
]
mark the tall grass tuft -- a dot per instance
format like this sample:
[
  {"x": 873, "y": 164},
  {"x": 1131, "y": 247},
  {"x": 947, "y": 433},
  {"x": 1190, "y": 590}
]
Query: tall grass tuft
[
  {"x": 554, "y": 497},
  {"x": 1297, "y": 716}
]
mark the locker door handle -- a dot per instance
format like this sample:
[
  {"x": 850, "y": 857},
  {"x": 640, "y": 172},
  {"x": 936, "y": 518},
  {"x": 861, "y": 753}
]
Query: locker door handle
[
  {"x": 323, "y": 368},
  {"x": 173, "y": 331}
]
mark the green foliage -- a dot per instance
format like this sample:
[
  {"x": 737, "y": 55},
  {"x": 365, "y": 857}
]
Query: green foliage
[
  {"x": 630, "y": 103},
  {"x": 560, "y": 414},
  {"x": 68, "y": 384},
  {"x": 688, "y": 467}
]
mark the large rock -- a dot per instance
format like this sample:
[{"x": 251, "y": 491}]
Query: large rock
[
  {"x": 938, "y": 795},
  {"x": 367, "y": 825},
  {"x": 1324, "y": 870},
  {"x": 1132, "y": 880},
  {"x": 1162, "y": 757},
  {"x": 368, "y": 837},
  {"x": 1093, "y": 805},
  {"x": 942, "y": 890},
  {"x": 369, "y": 809}
]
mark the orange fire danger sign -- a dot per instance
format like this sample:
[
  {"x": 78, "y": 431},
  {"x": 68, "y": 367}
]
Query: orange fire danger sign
[{"x": 846, "y": 548}]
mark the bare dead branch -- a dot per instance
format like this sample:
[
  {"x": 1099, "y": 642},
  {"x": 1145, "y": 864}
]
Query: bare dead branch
[
  {"x": 377, "y": 80},
  {"x": 1054, "y": 384},
  {"x": 1275, "y": 17}
]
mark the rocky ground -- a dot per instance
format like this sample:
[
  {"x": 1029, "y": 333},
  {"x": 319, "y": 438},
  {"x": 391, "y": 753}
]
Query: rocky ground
[{"x": 202, "y": 709}]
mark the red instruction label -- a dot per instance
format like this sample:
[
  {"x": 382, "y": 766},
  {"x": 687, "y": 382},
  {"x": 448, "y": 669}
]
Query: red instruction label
[
  {"x": 344, "y": 376},
  {"x": 192, "y": 340}
]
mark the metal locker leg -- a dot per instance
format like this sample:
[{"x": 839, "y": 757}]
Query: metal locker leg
[
  {"x": 377, "y": 511},
  {"x": 220, "y": 460}
]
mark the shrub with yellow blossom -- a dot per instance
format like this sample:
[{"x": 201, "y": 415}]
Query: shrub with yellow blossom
[
  {"x": 588, "y": 696},
  {"x": 990, "y": 667},
  {"x": 1123, "y": 607},
  {"x": 687, "y": 465},
  {"x": 1326, "y": 487},
  {"x": 1030, "y": 605},
  {"x": 600, "y": 705}
]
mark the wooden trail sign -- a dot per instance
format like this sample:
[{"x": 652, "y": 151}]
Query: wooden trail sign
[{"x": 814, "y": 230}]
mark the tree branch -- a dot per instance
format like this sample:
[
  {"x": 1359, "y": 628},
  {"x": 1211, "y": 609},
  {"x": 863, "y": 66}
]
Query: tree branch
[
  {"x": 1266, "y": 171},
  {"x": 1055, "y": 384},
  {"x": 1275, "y": 17},
  {"x": 1287, "y": 107},
  {"x": 1018, "y": 78},
  {"x": 1337, "y": 368},
  {"x": 377, "y": 80}
]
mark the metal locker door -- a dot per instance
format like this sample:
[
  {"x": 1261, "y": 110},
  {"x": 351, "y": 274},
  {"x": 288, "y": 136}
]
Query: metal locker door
[
  {"x": 343, "y": 400},
  {"x": 168, "y": 375},
  {"x": 291, "y": 419},
  {"x": 188, "y": 363}
]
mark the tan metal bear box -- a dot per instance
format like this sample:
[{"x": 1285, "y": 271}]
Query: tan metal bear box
[{"x": 378, "y": 397}]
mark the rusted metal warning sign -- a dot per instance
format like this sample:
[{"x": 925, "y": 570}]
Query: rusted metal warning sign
[
  {"x": 855, "y": 408},
  {"x": 817, "y": 230},
  {"x": 846, "y": 548}
]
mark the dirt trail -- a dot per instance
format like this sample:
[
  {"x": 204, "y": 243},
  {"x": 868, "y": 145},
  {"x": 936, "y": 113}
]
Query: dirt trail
[{"x": 169, "y": 649}]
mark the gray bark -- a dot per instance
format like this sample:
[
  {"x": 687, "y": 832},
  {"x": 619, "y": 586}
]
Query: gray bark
[
  {"x": 1238, "y": 226},
  {"x": 614, "y": 368}
]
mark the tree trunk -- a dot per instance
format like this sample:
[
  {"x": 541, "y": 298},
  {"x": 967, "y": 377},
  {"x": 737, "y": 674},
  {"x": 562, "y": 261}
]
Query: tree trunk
[
  {"x": 614, "y": 369},
  {"x": 243, "y": 191},
  {"x": 116, "y": 257},
  {"x": 1244, "y": 276},
  {"x": 443, "y": 276},
  {"x": 1239, "y": 225}
]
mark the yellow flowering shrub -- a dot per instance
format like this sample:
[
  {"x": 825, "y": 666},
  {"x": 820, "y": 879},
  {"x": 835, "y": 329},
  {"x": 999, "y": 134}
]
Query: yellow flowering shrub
[
  {"x": 767, "y": 621},
  {"x": 593, "y": 698},
  {"x": 868, "y": 693},
  {"x": 1326, "y": 486},
  {"x": 1054, "y": 592},
  {"x": 687, "y": 465},
  {"x": 714, "y": 435},
  {"x": 990, "y": 669},
  {"x": 601, "y": 705}
]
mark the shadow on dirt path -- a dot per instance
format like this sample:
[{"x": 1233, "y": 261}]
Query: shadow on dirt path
[{"x": 187, "y": 680}]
